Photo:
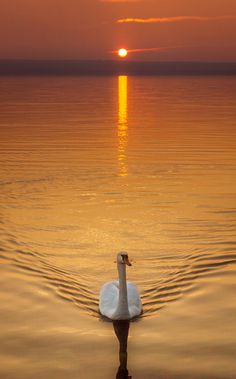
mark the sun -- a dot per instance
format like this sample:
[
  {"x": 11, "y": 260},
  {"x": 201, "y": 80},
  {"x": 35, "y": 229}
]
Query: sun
[{"x": 122, "y": 53}]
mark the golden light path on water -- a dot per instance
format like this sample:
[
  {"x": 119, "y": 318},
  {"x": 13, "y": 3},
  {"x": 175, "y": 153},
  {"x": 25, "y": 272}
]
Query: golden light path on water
[{"x": 122, "y": 126}]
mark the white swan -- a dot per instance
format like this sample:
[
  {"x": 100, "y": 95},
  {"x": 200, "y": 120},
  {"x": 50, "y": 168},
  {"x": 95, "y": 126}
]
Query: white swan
[{"x": 120, "y": 300}]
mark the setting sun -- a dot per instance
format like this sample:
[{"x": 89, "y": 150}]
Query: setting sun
[{"x": 122, "y": 53}]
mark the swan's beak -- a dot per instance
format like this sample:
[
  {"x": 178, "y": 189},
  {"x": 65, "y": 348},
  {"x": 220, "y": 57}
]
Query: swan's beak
[{"x": 126, "y": 260}]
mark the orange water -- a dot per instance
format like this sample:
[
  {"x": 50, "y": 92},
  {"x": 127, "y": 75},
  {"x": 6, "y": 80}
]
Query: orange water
[{"x": 94, "y": 165}]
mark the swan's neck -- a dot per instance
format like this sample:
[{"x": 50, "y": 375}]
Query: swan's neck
[{"x": 122, "y": 311}]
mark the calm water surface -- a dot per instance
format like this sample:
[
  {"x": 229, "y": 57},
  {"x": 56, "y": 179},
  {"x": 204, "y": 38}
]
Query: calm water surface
[{"x": 94, "y": 165}]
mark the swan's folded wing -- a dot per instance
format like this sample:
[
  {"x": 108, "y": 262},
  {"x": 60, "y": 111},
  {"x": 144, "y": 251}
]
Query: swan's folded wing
[
  {"x": 108, "y": 298},
  {"x": 134, "y": 301}
]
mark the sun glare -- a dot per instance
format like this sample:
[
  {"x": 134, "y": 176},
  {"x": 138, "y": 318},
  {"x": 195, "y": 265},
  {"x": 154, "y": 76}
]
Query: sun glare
[{"x": 122, "y": 53}]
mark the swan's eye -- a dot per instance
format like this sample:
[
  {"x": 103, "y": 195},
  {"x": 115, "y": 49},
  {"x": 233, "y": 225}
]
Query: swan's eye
[{"x": 123, "y": 256}]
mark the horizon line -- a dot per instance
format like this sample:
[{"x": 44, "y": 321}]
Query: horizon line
[
  {"x": 117, "y": 60},
  {"x": 104, "y": 67}
]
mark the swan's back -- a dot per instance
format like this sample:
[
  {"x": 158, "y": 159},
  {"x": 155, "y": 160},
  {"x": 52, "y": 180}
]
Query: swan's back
[{"x": 109, "y": 296}]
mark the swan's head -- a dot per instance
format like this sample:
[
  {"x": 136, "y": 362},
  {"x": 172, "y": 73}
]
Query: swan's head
[{"x": 122, "y": 258}]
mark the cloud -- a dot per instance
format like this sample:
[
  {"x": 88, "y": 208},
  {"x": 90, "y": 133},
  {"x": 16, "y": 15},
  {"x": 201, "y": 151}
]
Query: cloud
[
  {"x": 157, "y": 49},
  {"x": 160, "y": 20}
]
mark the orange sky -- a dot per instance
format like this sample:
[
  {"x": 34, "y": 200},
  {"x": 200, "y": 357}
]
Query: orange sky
[{"x": 91, "y": 29}]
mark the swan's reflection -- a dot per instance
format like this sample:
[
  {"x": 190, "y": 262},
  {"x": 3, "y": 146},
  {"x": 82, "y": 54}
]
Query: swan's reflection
[{"x": 121, "y": 328}]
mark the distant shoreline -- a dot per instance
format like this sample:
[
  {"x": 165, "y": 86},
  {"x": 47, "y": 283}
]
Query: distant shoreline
[{"x": 113, "y": 67}]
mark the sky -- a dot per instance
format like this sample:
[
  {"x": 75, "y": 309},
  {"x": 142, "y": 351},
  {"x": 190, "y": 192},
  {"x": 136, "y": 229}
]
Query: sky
[{"x": 163, "y": 30}]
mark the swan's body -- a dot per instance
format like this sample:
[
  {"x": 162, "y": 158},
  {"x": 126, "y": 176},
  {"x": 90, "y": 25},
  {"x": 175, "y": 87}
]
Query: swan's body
[{"x": 120, "y": 300}]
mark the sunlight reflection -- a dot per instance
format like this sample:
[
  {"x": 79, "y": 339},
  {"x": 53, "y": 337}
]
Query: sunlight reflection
[{"x": 122, "y": 126}]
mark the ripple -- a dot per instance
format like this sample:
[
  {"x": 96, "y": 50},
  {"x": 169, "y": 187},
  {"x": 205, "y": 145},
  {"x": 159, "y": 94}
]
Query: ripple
[
  {"x": 173, "y": 288},
  {"x": 64, "y": 284},
  {"x": 180, "y": 279}
]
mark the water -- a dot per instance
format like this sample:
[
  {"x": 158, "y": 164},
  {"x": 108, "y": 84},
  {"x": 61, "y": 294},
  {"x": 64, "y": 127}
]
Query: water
[{"x": 94, "y": 165}]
